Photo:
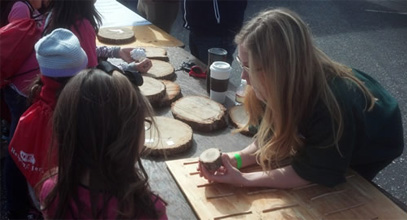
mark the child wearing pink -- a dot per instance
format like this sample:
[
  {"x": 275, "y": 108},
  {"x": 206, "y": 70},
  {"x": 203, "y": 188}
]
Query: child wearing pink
[
  {"x": 84, "y": 212},
  {"x": 15, "y": 96},
  {"x": 99, "y": 131}
]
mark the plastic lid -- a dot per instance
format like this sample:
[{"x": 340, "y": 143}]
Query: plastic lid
[{"x": 220, "y": 65}]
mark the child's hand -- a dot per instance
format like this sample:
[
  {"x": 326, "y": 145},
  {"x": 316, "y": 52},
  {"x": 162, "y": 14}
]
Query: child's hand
[
  {"x": 144, "y": 65},
  {"x": 125, "y": 54},
  {"x": 225, "y": 174}
]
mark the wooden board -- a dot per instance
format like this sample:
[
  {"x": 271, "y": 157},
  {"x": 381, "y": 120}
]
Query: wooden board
[
  {"x": 161, "y": 70},
  {"x": 172, "y": 93},
  {"x": 238, "y": 117},
  {"x": 150, "y": 36},
  {"x": 156, "y": 53},
  {"x": 116, "y": 35},
  {"x": 173, "y": 137},
  {"x": 201, "y": 113},
  {"x": 152, "y": 89},
  {"x": 355, "y": 199}
]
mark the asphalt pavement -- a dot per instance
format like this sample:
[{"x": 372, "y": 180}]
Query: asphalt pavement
[{"x": 367, "y": 35}]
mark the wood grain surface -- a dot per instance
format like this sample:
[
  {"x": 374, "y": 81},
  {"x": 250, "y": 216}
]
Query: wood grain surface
[
  {"x": 116, "y": 35},
  {"x": 172, "y": 93},
  {"x": 355, "y": 199},
  {"x": 201, "y": 113},
  {"x": 167, "y": 137},
  {"x": 152, "y": 89},
  {"x": 161, "y": 70},
  {"x": 239, "y": 118},
  {"x": 149, "y": 36}
]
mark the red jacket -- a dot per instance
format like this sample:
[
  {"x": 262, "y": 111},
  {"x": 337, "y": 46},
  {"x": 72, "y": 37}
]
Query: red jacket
[{"x": 31, "y": 140}]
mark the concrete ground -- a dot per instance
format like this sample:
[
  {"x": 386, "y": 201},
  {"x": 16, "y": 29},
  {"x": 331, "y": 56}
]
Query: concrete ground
[{"x": 368, "y": 35}]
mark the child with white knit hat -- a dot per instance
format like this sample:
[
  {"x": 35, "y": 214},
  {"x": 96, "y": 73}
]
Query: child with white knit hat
[
  {"x": 60, "y": 57},
  {"x": 59, "y": 54}
]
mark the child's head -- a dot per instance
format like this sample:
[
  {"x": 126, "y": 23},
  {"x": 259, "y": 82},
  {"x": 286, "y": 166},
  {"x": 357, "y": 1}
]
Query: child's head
[
  {"x": 99, "y": 125},
  {"x": 69, "y": 13},
  {"x": 59, "y": 54}
]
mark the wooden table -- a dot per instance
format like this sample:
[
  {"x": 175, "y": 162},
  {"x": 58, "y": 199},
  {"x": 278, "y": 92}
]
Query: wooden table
[
  {"x": 149, "y": 36},
  {"x": 160, "y": 178},
  {"x": 114, "y": 14}
]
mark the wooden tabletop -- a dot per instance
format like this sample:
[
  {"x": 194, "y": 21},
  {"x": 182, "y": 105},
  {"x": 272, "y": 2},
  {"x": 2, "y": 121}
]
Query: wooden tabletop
[
  {"x": 161, "y": 180},
  {"x": 149, "y": 36}
]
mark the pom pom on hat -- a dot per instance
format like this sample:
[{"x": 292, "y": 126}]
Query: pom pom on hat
[{"x": 60, "y": 54}]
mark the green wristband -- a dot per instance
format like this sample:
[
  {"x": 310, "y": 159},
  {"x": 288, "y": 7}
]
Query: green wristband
[{"x": 238, "y": 161}]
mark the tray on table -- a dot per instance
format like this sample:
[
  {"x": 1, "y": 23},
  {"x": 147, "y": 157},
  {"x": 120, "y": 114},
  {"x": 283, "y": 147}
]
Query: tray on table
[{"x": 355, "y": 199}]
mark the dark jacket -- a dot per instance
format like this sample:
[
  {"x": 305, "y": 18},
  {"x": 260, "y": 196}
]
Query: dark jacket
[{"x": 213, "y": 17}]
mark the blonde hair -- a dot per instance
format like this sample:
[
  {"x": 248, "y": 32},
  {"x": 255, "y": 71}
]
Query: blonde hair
[{"x": 294, "y": 75}]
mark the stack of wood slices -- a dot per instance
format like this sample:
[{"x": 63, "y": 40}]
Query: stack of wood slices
[
  {"x": 167, "y": 136},
  {"x": 170, "y": 136}
]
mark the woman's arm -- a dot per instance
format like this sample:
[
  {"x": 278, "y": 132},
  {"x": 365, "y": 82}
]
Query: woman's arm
[
  {"x": 247, "y": 155},
  {"x": 283, "y": 178}
]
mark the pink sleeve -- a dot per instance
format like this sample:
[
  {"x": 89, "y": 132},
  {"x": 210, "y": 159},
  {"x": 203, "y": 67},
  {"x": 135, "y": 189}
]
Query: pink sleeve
[
  {"x": 161, "y": 208},
  {"x": 87, "y": 37},
  {"x": 47, "y": 186},
  {"x": 19, "y": 11}
]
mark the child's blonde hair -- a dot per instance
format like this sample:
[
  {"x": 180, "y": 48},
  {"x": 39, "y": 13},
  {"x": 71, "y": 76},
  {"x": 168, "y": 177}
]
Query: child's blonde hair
[{"x": 294, "y": 75}]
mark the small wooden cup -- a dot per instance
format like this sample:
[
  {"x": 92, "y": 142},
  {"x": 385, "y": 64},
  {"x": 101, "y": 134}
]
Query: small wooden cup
[{"x": 211, "y": 159}]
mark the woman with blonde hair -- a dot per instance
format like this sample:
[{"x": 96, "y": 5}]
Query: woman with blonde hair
[{"x": 312, "y": 112}]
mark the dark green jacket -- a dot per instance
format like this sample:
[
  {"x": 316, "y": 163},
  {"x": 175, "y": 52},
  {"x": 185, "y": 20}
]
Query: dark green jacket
[{"x": 370, "y": 139}]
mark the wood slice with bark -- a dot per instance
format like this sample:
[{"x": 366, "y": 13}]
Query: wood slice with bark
[
  {"x": 238, "y": 117},
  {"x": 211, "y": 159},
  {"x": 161, "y": 70},
  {"x": 153, "y": 90},
  {"x": 115, "y": 35},
  {"x": 172, "y": 93},
  {"x": 173, "y": 137},
  {"x": 156, "y": 53},
  {"x": 201, "y": 113}
]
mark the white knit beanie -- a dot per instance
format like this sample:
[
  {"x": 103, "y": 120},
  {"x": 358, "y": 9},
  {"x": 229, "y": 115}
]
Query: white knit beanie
[{"x": 59, "y": 54}]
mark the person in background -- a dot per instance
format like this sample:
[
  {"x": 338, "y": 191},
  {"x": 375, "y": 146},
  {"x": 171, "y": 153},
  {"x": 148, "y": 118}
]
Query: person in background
[
  {"x": 316, "y": 118},
  {"x": 213, "y": 23},
  {"x": 15, "y": 96},
  {"x": 82, "y": 18},
  {"x": 99, "y": 131},
  {"x": 162, "y": 13}
]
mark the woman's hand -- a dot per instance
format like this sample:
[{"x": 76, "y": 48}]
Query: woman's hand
[{"x": 225, "y": 174}]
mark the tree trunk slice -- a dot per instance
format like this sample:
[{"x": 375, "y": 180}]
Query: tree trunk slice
[
  {"x": 211, "y": 159},
  {"x": 115, "y": 35},
  {"x": 156, "y": 53},
  {"x": 239, "y": 118},
  {"x": 152, "y": 89},
  {"x": 173, "y": 137},
  {"x": 161, "y": 70},
  {"x": 201, "y": 113},
  {"x": 172, "y": 93}
]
